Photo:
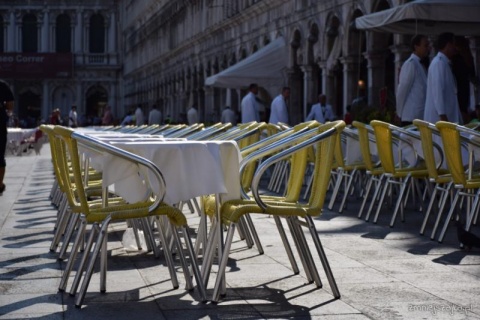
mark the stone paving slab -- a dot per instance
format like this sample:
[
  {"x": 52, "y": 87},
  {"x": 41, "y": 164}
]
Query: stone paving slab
[{"x": 382, "y": 272}]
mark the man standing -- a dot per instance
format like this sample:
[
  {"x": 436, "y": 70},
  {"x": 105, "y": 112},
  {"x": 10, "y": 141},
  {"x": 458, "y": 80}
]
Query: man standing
[
  {"x": 72, "y": 117},
  {"x": 412, "y": 83},
  {"x": 278, "y": 109},
  {"x": 139, "y": 120},
  {"x": 229, "y": 116},
  {"x": 249, "y": 105},
  {"x": 321, "y": 111},
  {"x": 192, "y": 116},
  {"x": 155, "y": 116},
  {"x": 441, "y": 102}
]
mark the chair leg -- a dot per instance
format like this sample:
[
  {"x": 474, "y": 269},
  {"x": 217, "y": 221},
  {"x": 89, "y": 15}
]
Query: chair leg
[
  {"x": 167, "y": 254},
  {"x": 81, "y": 267},
  {"x": 449, "y": 216},
  {"x": 254, "y": 233},
  {"x": 223, "y": 264},
  {"x": 323, "y": 257},
  {"x": 347, "y": 189},
  {"x": 302, "y": 255},
  {"x": 336, "y": 188},
  {"x": 375, "y": 196},
  {"x": 305, "y": 250},
  {"x": 365, "y": 196},
  {"x": 286, "y": 244},
  {"x": 429, "y": 209},
  {"x": 68, "y": 236},
  {"x": 194, "y": 263},
  {"x": 89, "y": 272},
  {"x": 399, "y": 205},
  {"x": 447, "y": 194},
  {"x": 183, "y": 261},
  {"x": 73, "y": 255},
  {"x": 380, "y": 204}
]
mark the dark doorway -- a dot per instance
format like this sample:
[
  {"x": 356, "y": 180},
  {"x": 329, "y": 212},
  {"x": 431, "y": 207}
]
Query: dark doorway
[
  {"x": 96, "y": 101},
  {"x": 29, "y": 108}
]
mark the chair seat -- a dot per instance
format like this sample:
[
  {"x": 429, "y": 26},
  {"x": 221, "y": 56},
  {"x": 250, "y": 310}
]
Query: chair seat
[{"x": 135, "y": 211}]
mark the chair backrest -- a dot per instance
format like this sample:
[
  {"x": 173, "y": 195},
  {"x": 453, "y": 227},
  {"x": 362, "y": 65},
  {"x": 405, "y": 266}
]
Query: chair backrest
[
  {"x": 48, "y": 130},
  {"x": 328, "y": 134},
  {"x": 426, "y": 135},
  {"x": 364, "y": 141},
  {"x": 67, "y": 146},
  {"x": 383, "y": 136},
  {"x": 451, "y": 138},
  {"x": 324, "y": 155}
]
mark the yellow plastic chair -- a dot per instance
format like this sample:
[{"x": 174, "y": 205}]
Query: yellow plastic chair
[
  {"x": 465, "y": 183},
  {"x": 232, "y": 211},
  {"x": 396, "y": 174},
  {"x": 439, "y": 176},
  {"x": 373, "y": 171},
  {"x": 101, "y": 216},
  {"x": 343, "y": 172}
]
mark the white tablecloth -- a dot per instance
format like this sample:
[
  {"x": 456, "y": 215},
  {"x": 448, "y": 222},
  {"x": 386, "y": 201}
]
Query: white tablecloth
[
  {"x": 17, "y": 135},
  {"x": 190, "y": 169}
]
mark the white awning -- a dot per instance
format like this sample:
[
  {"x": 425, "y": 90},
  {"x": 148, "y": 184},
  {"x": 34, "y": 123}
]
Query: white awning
[
  {"x": 429, "y": 17},
  {"x": 264, "y": 67}
]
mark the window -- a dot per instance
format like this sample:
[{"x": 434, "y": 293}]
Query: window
[
  {"x": 29, "y": 33},
  {"x": 63, "y": 34},
  {"x": 97, "y": 34}
]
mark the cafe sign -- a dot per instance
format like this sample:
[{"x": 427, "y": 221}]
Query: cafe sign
[{"x": 24, "y": 65}]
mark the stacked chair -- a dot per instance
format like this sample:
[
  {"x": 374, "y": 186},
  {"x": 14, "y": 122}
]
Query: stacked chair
[
  {"x": 324, "y": 138},
  {"x": 100, "y": 213}
]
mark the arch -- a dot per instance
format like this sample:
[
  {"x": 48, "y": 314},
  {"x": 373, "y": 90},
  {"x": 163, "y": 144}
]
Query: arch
[
  {"x": 29, "y": 33},
  {"x": 97, "y": 34},
  {"x": 96, "y": 98},
  {"x": 63, "y": 33},
  {"x": 29, "y": 104},
  {"x": 63, "y": 98}
]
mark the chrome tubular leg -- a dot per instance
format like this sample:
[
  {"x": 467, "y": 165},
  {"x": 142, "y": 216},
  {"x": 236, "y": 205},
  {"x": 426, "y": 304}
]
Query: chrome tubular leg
[
  {"x": 254, "y": 233},
  {"x": 194, "y": 263},
  {"x": 217, "y": 290},
  {"x": 286, "y": 244}
]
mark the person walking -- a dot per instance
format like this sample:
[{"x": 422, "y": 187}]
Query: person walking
[
  {"x": 412, "y": 83},
  {"x": 250, "y": 110},
  {"x": 5, "y": 109},
  {"x": 441, "y": 101},
  {"x": 72, "y": 117},
  {"x": 139, "y": 119},
  {"x": 278, "y": 108},
  {"x": 155, "y": 116},
  {"x": 229, "y": 116},
  {"x": 107, "y": 119},
  {"x": 192, "y": 116},
  {"x": 321, "y": 111}
]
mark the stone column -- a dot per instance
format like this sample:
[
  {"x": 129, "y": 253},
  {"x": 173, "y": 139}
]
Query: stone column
[
  {"x": 11, "y": 28},
  {"x": 350, "y": 79},
  {"x": 310, "y": 89},
  {"x": 209, "y": 102},
  {"x": 45, "y": 32},
  {"x": 327, "y": 82},
  {"x": 376, "y": 76},
  {"x": 295, "y": 82},
  {"x": 45, "y": 101},
  {"x": 78, "y": 33},
  {"x": 112, "y": 34}
]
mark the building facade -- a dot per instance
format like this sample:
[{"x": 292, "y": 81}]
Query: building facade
[
  {"x": 171, "y": 47},
  {"x": 55, "y": 54},
  {"x": 130, "y": 53}
]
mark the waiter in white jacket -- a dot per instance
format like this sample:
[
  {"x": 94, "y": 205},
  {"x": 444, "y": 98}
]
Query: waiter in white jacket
[
  {"x": 412, "y": 83},
  {"x": 250, "y": 107},
  {"x": 441, "y": 102},
  {"x": 278, "y": 109}
]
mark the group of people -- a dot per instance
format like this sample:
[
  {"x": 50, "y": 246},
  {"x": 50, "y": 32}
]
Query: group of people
[
  {"x": 321, "y": 111},
  {"x": 442, "y": 92}
]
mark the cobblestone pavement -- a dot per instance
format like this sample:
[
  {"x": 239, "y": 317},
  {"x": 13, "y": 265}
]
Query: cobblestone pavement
[{"x": 382, "y": 272}]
